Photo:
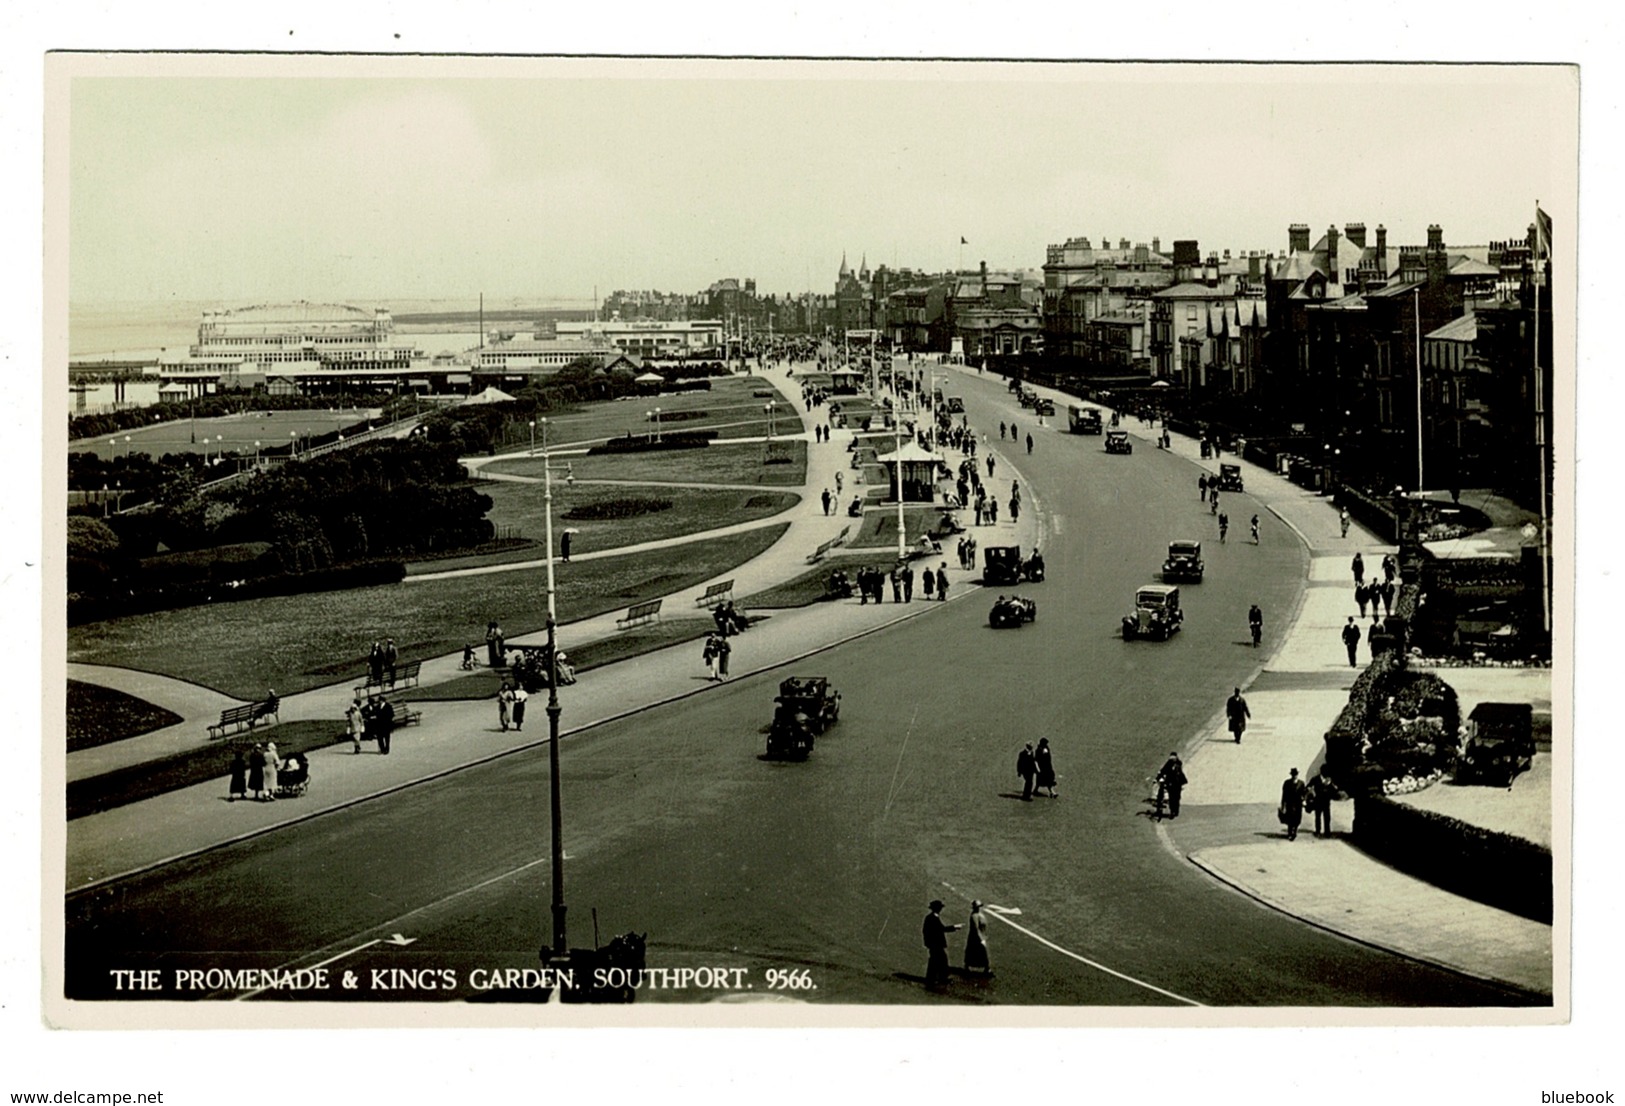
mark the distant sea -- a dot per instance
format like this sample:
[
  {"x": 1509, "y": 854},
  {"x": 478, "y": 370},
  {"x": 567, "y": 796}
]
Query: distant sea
[{"x": 144, "y": 328}]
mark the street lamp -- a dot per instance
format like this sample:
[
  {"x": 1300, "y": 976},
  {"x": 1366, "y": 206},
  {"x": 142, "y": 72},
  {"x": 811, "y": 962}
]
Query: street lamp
[
  {"x": 112, "y": 449},
  {"x": 560, "y": 943},
  {"x": 293, "y": 447},
  {"x": 256, "y": 453},
  {"x": 533, "y": 437},
  {"x": 768, "y": 407}
]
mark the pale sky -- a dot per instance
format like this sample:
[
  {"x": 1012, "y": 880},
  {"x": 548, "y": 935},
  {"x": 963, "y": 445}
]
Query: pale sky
[{"x": 543, "y": 179}]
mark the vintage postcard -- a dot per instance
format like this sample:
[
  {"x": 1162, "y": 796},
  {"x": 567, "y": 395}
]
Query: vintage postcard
[{"x": 614, "y": 541}]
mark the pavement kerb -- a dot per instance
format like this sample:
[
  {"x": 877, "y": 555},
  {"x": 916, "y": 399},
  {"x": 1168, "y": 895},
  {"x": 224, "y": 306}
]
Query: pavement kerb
[{"x": 1264, "y": 900}]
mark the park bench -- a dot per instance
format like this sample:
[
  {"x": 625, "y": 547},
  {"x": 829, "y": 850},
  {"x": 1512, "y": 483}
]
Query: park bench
[
  {"x": 818, "y": 554},
  {"x": 406, "y": 714},
  {"x": 716, "y": 593},
  {"x": 245, "y": 716},
  {"x": 639, "y": 613},
  {"x": 406, "y": 675},
  {"x": 846, "y": 532}
]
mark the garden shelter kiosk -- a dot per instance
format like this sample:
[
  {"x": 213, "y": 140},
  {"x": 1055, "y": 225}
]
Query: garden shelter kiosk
[{"x": 914, "y": 468}]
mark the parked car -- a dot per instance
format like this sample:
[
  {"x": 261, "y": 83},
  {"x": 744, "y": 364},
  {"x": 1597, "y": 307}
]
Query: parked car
[
  {"x": 956, "y": 405},
  {"x": 1498, "y": 743},
  {"x": 1117, "y": 441},
  {"x": 1230, "y": 478},
  {"x": 1184, "y": 561},
  {"x": 807, "y": 706},
  {"x": 1083, "y": 420},
  {"x": 1013, "y": 611},
  {"x": 1156, "y": 613},
  {"x": 1043, "y": 406}
]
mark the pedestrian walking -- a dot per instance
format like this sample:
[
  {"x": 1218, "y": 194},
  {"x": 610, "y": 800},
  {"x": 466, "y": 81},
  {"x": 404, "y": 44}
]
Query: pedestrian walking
[
  {"x": 1372, "y": 631},
  {"x": 1001, "y": 430},
  {"x": 1358, "y": 567},
  {"x": 928, "y": 583},
  {"x": 564, "y": 547},
  {"x": 976, "y": 957},
  {"x": 1235, "y": 709},
  {"x": 1361, "y": 595},
  {"x": 1029, "y": 442},
  {"x": 1201, "y": 486},
  {"x": 1045, "y": 763},
  {"x": 1224, "y": 527},
  {"x": 391, "y": 656},
  {"x": 1387, "y": 594},
  {"x": 1027, "y": 769},
  {"x": 519, "y": 697},
  {"x": 1255, "y": 623},
  {"x": 504, "y": 705},
  {"x": 386, "y": 724},
  {"x": 897, "y": 584},
  {"x": 356, "y": 721},
  {"x": 1343, "y": 521},
  {"x": 934, "y": 931},
  {"x": 990, "y": 466},
  {"x": 992, "y": 512},
  {"x": 375, "y": 663},
  {"x": 942, "y": 581},
  {"x": 1390, "y": 567},
  {"x": 826, "y": 501},
  {"x": 724, "y": 651},
  {"x": 1351, "y": 639},
  {"x": 1319, "y": 800},
  {"x": 709, "y": 655},
  {"x": 908, "y": 583},
  {"x": 468, "y": 656},
  {"x": 840, "y": 482},
  {"x": 273, "y": 766},
  {"x": 1291, "y": 810},
  {"x": 239, "y": 777},
  {"x": 256, "y": 771},
  {"x": 1255, "y": 529},
  {"x": 1015, "y": 509},
  {"x": 1171, "y": 781}
]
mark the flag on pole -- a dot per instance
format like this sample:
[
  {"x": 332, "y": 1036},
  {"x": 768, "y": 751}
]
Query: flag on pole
[{"x": 1543, "y": 243}]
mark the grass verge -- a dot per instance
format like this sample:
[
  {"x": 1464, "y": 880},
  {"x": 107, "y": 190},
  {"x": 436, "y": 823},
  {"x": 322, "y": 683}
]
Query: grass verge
[
  {"x": 297, "y": 642},
  {"x": 100, "y": 716},
  {"x": 720, "y": 463},
  {"x": 157, "y": 777}
]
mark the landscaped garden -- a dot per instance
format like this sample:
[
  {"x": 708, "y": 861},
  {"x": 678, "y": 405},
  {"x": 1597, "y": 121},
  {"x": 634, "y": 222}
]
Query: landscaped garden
[{"x": 100, "y": 715}]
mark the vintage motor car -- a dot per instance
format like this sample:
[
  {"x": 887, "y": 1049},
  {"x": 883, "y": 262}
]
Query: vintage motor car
[
  {"x": 807, "y": 706},
  {"x": 1498, "y": 744},
  {"x": 956, "y": 405},
  {"x": 1230, "y": 478},
  {"x": 1117, "y": 442},
  {"x": 1184, "y": 561},
  {"x": 1083, "y": 420},
  {"x": 1156, "y": 613},
  {"x": 1012, "y": 612},
  {"x": 1043, "y": 406},
  {"x": 1002, "y": 564}
]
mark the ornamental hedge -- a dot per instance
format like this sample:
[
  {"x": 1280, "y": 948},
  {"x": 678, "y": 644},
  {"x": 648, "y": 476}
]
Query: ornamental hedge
[
  {"x": 678, "y": 439},
  {"x": 1496, "y": 869},
  {"x": 624, "y": 507}
]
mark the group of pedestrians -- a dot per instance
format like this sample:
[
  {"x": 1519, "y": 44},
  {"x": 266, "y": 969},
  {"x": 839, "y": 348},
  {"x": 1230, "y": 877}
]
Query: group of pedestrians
[
  {"x": 370, "y": 720},
  {"x": 967, "y": 552},
  {"x": 1036, "y": 767},
  {"x": 715, "y": 654},
  {"x": 1316, "y": 796},
  {"x": 934, "y": 932},
  {"x": 381, "y": 662},
  {"x": 511, "y": 700},
  {"x": 254, "y": 774}
]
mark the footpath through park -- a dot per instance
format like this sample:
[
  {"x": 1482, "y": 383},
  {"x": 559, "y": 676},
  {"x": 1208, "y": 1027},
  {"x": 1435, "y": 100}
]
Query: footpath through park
[
  {"x": 455, "y": 734},
  {"x": 1227, "y": 824}
]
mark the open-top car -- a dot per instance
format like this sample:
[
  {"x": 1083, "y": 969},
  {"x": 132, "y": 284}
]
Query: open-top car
[
  {"x": 1012, "y": 612},
  {"x": 1117, "y": 442},
  {"x": 1230, "y": 478},
  {"x": 807, "y": 706},
  {"x": 1002, "y": 564},
  {"x": 1184, "y": 561},
  {"x": 1156, "y": 613}
]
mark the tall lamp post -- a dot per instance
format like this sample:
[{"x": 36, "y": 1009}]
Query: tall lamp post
[
  {"x": 768, "y": 408},
  {"x": 560, "y": 943}
]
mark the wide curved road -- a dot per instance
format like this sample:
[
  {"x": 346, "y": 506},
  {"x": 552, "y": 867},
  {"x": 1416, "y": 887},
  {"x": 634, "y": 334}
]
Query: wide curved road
[{"x": 674, "y": 825}]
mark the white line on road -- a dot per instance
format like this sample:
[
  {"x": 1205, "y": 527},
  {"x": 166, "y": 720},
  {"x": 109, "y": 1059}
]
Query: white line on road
[{"x": 1003, "y": 913}]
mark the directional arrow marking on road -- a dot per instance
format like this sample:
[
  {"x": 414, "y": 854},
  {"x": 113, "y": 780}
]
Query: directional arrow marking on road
[{"x": 399, "y": 940}]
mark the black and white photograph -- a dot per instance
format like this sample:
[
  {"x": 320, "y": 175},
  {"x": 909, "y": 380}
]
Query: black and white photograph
[{"x": 574, "y": 540}]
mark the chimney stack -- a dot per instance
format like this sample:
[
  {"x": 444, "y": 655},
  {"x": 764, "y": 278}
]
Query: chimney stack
[
  {"x": 1382, "y": 249},
  {"x": 984, "y": 280},
  {"x": 1334, "y": 274},
  {"x": 1297, "y": 237},
  {"x": 1435, "y": 238},
  {"x": 1355, "y": 233},
  {"x": 1156, "y": 245},
  {"x": 1122, "y": 243}
]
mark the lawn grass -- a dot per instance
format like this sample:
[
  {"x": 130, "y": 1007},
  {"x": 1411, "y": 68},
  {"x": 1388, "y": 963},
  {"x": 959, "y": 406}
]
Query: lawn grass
[
  {"x": 730, "y": 400},
  {"x": 715, "y": 464},
  {"x": 100, "y": 715},
  {"x": 194, "y": 766},
  {"x": 519, "y": 508},
  {"x": 294, "y": 643},
  {"x": 880, "y": 525}
]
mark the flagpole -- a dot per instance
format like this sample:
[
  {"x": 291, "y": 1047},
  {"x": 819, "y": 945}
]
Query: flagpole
[
  {"x": 1540, "y": 427},
  {"x": 1416, "y": 295}
]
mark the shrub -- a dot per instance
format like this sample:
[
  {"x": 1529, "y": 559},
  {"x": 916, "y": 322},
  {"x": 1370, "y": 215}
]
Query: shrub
[{"x": 626, "y": 507}]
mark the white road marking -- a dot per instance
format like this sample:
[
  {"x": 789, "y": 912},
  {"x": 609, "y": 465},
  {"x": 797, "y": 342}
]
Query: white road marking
[{"x": 1004, "y": 913}]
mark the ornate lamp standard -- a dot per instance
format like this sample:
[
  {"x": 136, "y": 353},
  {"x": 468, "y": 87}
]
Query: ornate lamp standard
[{"x": 560, "y": 943}]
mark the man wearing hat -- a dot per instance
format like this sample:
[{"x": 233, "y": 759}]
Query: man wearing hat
[
  {"x": 935, "y": 933},
  {"x": 1171, "y": 779}
]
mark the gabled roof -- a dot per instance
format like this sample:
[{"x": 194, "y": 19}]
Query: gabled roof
[
  {"x": 1464, "y": 329},
  {"x": 1190, "y": 290},
  {"x": 1463, "y": 265}
]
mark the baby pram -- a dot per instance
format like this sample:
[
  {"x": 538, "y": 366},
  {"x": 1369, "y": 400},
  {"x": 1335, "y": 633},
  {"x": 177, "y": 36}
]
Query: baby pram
[{"x": 293, "y": 777}]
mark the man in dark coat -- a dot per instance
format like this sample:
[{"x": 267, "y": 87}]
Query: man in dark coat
[
  {"x": 386, "y": 723},
  {"x": 1321, "y": 793},
  {"x": 1171, "y": 779},
  {"x": 1291, "y": 812},
  {"x": 1235, "y": 709},
  {"x": 1026, "y": 768},
  {"x": 1351, "y": 639},
  {"x": 934, "y": 931},
  {"x": 908, "y": 583}
]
